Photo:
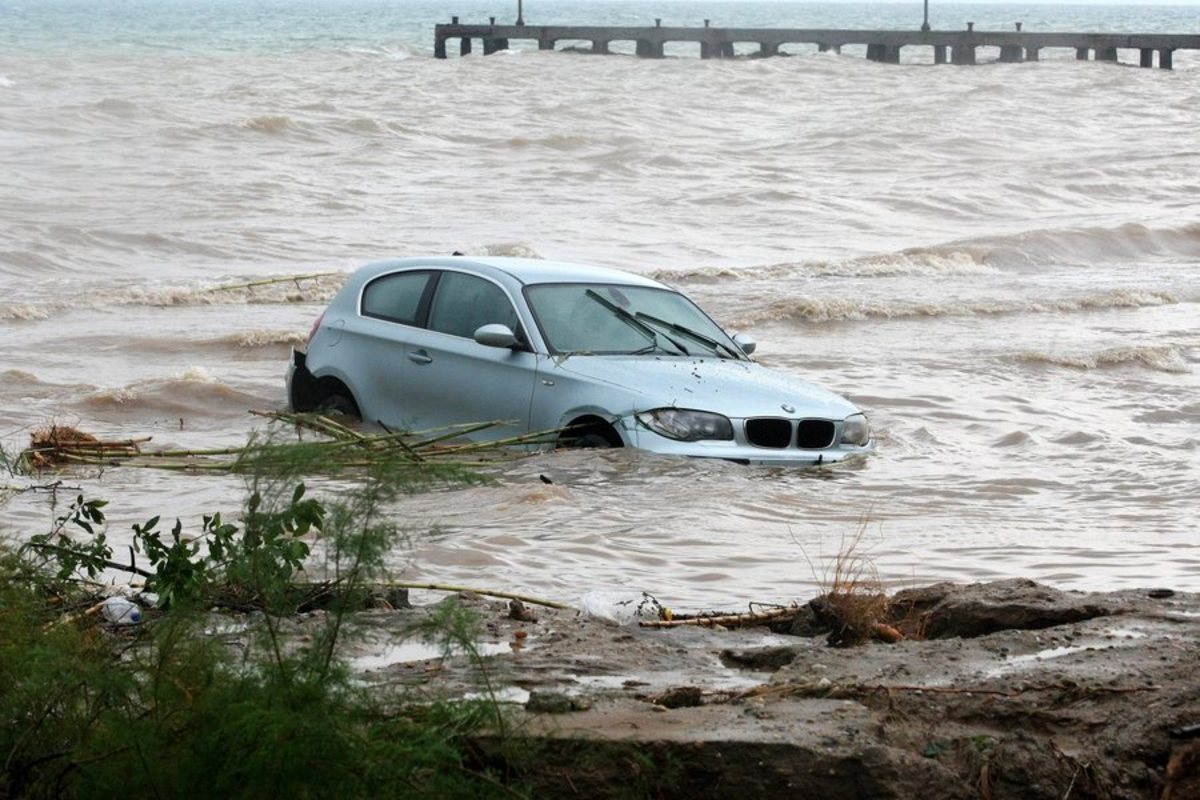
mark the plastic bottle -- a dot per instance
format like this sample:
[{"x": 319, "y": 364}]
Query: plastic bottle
[
  {"x": 120, "y": 611},
  {"x": 620, "y": 607}
]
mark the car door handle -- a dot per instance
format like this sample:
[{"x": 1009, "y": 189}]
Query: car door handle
[{"x": 420, "y": 356}]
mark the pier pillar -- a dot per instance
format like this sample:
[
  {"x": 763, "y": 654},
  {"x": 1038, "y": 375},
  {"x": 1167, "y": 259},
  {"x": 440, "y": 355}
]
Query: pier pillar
[
  {"x": 1081, "y": 54},
  {"x": 707, "y": 51},
  {"x": 940, "y": 53},
  {"x": 1165, "y": 57},
  {"x": 824, "y": 47},
  {"x": 876, "y": 52},
  {"x": 767, "y": 49},
  {"x": 646, "y": 49},
  {"x": 891, "y": 54},
  {"x": 439, "y": 47},
  {"x": 600, "y": 46},
  {"x": 1106, "y": 54},
  {"x": 1147, "y": 54},
  {"x": 726, "y": 50},
  {"x": 464, "y": 47},
  {"x": 963, "y": 54},
  {"x": 493, "y": 45},
  {"x": 1011, "y": 54},
  {"x": 545, "y": 44},
  {"x": 1033, "y": 53}
]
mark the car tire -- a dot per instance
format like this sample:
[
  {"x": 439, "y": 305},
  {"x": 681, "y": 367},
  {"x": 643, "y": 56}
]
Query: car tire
[
  {"x": 339, "y": 404},
  {"x": 591, "y": 440}
]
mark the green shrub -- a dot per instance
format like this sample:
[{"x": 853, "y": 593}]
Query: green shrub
[{"x": 164, "y": 709}]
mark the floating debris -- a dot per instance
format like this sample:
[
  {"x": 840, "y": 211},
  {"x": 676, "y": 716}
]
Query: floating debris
[
  {"x": 339, "y": 446},
  {"x": 60, "y": 445}
]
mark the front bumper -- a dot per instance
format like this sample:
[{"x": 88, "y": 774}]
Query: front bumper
[{"x": 739, "y": 450}]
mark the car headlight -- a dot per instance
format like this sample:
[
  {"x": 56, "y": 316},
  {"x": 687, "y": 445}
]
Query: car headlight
[
  {"x": 856, "y": 431},
  {"x": 684, "y": 425}
]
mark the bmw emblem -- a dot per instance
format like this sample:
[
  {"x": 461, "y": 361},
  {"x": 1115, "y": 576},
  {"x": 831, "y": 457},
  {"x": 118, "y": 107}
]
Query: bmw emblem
[{"x": 788, "y": 409}]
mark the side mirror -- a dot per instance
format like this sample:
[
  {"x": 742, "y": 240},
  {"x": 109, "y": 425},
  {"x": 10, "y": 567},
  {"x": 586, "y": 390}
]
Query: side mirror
[
  {"x": 495, "y": 335},
  {"x": 745, "y": 343}
]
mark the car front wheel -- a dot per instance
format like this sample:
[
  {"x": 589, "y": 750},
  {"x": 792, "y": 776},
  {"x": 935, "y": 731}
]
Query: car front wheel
[{"x": 339, "y": 404}]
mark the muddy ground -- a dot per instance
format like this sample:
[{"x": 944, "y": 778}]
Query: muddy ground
[{"x": 1020, "y": 691}]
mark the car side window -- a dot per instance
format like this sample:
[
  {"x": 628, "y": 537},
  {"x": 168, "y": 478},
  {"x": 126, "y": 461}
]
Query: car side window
[
  {"x": 462, "y": 303},
  {"x": 396, "y": 297}
]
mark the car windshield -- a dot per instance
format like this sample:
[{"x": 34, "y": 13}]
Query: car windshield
[{"x": 583, "y": 318}]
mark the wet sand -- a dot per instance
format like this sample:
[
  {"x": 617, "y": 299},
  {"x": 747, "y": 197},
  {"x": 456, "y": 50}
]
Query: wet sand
[{"x": 1008, "y": 704}]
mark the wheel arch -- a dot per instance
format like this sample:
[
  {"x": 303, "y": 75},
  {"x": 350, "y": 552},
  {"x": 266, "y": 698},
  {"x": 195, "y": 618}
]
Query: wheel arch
[{"x": 582, "y": 424}]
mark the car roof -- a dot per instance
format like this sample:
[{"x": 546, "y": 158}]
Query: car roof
[{"x": 524, "y": 270}]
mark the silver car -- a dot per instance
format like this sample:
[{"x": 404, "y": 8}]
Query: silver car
[{"x": 609, "y": 358}]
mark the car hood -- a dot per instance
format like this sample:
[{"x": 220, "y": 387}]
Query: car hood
[{"x": 732, "y": 388}]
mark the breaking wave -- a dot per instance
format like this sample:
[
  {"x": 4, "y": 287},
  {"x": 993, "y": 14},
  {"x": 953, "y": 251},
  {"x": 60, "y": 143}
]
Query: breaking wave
[
  {"x": 1129, "y": 242},
  {"x": 813, "y": 309},
  {"x": 1162, "y": 359},
  {"x": 265, "y": 338},
  {"x": 503, "y": 250},
  {"x": 298, "y": 290},
  {"x": 19, "y": 376},
  {"x": 270, "y": 124},
  {"x": 24, "y": 313},
  {"x": 194, "y": 390},
  {"x": 929, "y": 262}
]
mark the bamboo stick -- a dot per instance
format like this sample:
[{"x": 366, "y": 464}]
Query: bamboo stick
[
  {"x": 726, "y": 620},
  {"x": 233, "y": 287},
  {"x": 441, "y": 587}
]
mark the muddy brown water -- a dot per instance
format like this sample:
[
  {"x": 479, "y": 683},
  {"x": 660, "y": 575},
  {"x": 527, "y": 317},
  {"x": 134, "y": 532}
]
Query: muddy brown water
[{"x": 1012, "y": 296}]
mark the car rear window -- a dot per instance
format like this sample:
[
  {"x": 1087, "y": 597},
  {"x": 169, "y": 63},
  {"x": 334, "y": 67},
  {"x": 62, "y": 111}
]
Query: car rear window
[{"x": 395, "y": 297}]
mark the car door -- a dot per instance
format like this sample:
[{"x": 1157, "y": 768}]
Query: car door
[
  {"x": 452, "y": 379},
  {"x": 391, "y": 309}
]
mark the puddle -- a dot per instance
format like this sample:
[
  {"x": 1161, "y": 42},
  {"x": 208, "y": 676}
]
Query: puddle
[
  {"x": 661, "y": 680},
  {"x": 1108, "y": 642},
  {"x": 505, "y": 694},
  {"x": 416, "y": 650}
]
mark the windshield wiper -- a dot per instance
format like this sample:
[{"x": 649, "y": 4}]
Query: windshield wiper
[
  {"x": 633, "y": 322},
  {"x": 703, "y": 339}
]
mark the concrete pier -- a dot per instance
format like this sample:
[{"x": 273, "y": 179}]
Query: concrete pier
[{"x": 955, "y": 47}]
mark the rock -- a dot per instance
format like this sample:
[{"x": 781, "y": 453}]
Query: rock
[
  {"x": 763, "y": 659},
  {"x": 680, "y": 697},
  {"x": 520, "y": 612},
  {"x": 547, "y": 702},
  {"x": 982, "y": 608}
]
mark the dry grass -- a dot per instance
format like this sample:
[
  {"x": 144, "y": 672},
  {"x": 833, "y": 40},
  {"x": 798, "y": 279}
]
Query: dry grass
[
  {"x": 854, "y": 604},
  {"x": 57, "y": 445}
]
